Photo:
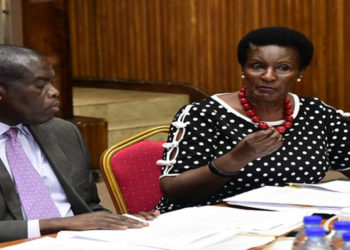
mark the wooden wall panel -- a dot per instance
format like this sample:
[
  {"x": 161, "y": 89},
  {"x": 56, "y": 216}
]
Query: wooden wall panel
[
  {"x": 345, "y": 55},
  {"x": 45, "y": 28},
  {"x": 195, "y": 41}
]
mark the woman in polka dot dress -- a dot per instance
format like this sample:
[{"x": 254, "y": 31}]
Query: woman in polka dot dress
[{"x": 262, "y": 135}]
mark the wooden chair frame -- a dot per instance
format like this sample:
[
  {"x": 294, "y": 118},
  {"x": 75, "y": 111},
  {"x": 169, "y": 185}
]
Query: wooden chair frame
[{"x": 106, "y": 168}]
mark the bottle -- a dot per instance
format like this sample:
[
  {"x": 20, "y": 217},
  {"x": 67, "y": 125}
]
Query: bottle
[
  {"x": 315, "y": 239},
  {"x": 346, "y": 241},
  {"x": 340, "y": 227},
  {"x": 309, "y": 221}
]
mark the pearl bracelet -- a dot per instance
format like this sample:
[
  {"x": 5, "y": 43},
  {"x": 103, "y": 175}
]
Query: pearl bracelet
[{"x": 219, "y": 172}]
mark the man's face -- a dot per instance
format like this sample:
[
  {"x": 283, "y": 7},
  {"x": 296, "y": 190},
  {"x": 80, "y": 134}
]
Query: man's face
[{"x": 33, "y": 99}]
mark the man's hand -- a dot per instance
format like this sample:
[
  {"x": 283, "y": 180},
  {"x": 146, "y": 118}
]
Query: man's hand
[{"x": 93, "y": 221}]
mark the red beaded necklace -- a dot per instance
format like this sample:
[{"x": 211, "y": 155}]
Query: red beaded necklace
[{"x": 257, "y": 119}]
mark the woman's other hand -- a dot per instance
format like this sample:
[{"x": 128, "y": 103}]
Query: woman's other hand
[{"x": 148, "y": 215}]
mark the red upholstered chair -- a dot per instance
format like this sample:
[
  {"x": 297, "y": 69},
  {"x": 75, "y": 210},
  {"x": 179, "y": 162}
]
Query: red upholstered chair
[{"x": 131, "y": 174}]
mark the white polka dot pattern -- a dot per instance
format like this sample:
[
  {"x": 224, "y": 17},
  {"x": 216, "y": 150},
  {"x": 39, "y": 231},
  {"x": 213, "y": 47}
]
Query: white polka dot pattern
[{"x": 318, "y": 141}]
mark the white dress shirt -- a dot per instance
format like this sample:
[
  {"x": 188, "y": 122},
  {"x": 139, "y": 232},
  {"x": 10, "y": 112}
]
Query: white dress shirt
[{"x": 40, "y": 163}]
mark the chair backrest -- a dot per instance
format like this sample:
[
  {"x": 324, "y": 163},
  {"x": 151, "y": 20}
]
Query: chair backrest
[{"x": 131, "y": 174}]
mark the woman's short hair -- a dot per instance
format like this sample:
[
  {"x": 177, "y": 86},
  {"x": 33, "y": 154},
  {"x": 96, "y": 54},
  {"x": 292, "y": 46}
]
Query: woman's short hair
[{"x": 280, "y": 36}]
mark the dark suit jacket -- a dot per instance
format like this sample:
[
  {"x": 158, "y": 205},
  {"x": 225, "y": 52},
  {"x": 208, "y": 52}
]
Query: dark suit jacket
[{"x": 67, "y": 153}]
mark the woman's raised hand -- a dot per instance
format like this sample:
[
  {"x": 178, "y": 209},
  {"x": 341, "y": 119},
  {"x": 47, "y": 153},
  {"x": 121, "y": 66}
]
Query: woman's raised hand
[{"x": 258, "y": 144}]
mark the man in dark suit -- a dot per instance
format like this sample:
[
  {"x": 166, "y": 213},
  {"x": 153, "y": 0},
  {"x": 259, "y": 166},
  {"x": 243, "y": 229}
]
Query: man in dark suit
[{"x": 55, "y": 148}]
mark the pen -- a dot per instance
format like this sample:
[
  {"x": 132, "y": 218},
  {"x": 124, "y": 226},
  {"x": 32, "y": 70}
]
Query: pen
[{"x": 135, "y": 218}]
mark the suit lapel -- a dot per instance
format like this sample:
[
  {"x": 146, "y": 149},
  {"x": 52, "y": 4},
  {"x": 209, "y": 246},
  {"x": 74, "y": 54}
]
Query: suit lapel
[
  {"x": 59, "y": 163},
  {"x": 52, "y": 151},
  {"x": 9, "y": 193}
]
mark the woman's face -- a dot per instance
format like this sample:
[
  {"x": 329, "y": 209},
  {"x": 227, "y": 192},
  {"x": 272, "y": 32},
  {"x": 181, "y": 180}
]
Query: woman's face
[{"x": 270, "y": 71}]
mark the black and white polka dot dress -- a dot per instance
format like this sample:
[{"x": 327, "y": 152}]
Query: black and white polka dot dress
[{"x": 318, "y": 141}]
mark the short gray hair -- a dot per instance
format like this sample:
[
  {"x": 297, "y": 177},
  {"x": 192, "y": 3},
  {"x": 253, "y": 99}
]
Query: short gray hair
[{"x": 14, "y": 62}]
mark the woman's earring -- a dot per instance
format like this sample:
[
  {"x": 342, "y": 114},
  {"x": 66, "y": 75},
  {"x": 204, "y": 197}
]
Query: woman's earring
[{"x": 299, "y": 78}]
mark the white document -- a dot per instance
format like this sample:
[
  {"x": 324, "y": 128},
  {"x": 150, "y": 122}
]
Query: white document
[
  {"x": 198, "y": 228},
  {"x": 241, "y": 242},
  {"x": 342, "y": 186},
  {"x": 235, "y": 243},
  {"x": 308, "y": 210},
  {"x": 283, "y": 243},
  {"x": 48, "y": 243},
  {"x": 292, "y": 196}
]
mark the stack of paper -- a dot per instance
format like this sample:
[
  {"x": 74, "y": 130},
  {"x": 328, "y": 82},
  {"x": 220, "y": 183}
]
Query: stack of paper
[
  {"x": 287, "y": 199},
  {"x": 201, "y": 228},
  {"x": 239, "y": 242},
  {"x": 342, "y": 186}
]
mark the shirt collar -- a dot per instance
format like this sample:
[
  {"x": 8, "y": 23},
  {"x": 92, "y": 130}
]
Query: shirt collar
[{"x": 4, "y": 127}]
